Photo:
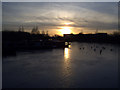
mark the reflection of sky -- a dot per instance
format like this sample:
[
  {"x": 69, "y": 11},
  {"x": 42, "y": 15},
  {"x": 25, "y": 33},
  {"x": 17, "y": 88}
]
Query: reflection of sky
[
  {"x": 52, "y": 16},
  {"x": 48, "y": 68},
  {"x": 66, "y": 53},
  {"x": 67, "y": 69}
]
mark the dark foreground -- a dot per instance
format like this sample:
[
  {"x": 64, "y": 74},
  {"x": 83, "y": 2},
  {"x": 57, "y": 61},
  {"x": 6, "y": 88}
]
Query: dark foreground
[
  {"x": 13, "y": 42},
  {"x": 82, "y": 65}
]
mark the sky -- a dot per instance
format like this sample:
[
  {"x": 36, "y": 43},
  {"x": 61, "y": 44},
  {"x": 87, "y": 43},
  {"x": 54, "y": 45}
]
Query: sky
[{"x": 61, "y": 17}]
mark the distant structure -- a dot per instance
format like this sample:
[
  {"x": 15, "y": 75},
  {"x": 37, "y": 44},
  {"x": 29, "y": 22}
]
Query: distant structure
[
  {"x": 35, "y": 30},
  {"x": 21, "y": 29}
]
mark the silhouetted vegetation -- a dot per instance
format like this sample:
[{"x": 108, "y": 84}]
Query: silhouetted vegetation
[
  {"x": 21, "y": 36},
  {"x": 13, "y": 41}
]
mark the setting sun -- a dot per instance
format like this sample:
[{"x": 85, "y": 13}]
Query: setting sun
[{"x": 65, "y": 30}]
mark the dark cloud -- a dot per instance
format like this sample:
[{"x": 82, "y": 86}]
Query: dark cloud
[{"x": 83, "y": 15}]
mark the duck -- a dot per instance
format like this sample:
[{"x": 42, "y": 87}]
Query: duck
[
  {"x": 111, "y": 49},
  {"x": 100, "y": 51}
]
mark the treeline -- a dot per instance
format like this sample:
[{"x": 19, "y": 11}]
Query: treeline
[
  {"x": 20, "y": 36},
  {"x": 13, "y": 41},
  {"x": 98, "y": 38},
  {"x": 13, "y": 36}
]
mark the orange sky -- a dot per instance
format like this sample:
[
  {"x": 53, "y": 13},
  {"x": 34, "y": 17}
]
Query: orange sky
[{"x": 61, "y": 18}]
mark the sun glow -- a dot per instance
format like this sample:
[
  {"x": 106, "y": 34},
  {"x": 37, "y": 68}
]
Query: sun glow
[
  {"x": 65, "y": 30},
  {"x": 66, "y": 53},
  {"x": 68, "y": 23}
]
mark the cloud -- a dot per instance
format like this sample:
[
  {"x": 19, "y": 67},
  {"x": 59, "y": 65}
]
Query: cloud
[{"x": 86, "y": 15}]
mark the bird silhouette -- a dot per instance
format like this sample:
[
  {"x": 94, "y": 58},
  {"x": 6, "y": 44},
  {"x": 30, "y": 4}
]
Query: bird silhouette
[
  {"x": 111, "y": 49},
  {"x": 100, "y": 51}
]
